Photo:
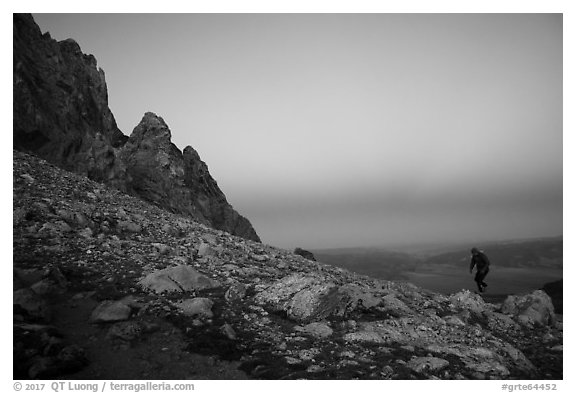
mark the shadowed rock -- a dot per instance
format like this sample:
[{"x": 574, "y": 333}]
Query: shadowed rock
[
  {"x": 304, "y": 253},
  {"x": 317, "y": 330},
  {"x": 61, "y": 114},
  {"x": 424, "y": 364},
  {"x": 198, "y": 307},
  {"x": 109, "y": 311}
]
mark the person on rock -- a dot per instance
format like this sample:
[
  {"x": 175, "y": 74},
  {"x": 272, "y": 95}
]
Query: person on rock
[{"x": 482, "y": 263}]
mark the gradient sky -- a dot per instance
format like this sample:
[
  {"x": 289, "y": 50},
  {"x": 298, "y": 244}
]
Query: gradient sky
[{"x": 336, "y": 130}]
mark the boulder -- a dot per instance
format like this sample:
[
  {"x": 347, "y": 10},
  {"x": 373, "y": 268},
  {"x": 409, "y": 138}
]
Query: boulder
[
  {"x": 304, "y": 298},
  {"x": 33, "y": 304},
  {"x": 205, "y": 250},
  {"x": 199, "y": 307},
  {"x": 129, "y": 226},
  {"x": 466, "y": 300},
  {"x": 427, "y": 364},
  {"x": 317, "y": 330},
  {"x": 236, "y": 292},
  {"x": 354, "y": 296},
  {"x": 179, "y": 278},
  {"x": 394, "y": 306},
  {"x": 534, "y": 309},
  {"x": 110, "y": 311},
  {"x": 228, "y": 331}
]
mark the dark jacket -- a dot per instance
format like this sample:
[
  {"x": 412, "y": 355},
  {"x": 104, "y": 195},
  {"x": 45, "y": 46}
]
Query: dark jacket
[{"x": 480, "y": 260}]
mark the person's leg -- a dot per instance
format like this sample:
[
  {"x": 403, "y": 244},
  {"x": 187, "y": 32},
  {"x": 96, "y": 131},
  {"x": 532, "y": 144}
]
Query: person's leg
[
  {"x": 478, "y": 279},
  {"x": 483, "y": 276}
]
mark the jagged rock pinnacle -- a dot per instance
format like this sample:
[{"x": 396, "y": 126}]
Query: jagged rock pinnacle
[{"x": 61, "y": 114}]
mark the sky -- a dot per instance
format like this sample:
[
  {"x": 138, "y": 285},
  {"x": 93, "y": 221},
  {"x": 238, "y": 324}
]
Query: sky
[{"x": 347, "y": 130}]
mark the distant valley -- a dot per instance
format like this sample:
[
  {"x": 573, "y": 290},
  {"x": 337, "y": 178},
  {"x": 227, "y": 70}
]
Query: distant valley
[{"x": 517, "y": 265}]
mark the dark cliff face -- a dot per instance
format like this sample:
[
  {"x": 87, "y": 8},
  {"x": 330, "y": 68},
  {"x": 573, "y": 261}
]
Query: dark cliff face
[
  {"x": 304, "y": 253},
  {"x": 180, "y": 182},
  {"x": 61, "y": 114},
  {"x": 61, "y": 104}
]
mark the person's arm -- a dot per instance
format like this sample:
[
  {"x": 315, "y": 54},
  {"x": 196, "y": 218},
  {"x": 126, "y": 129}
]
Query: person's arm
[{"x": 472, "y": 263}]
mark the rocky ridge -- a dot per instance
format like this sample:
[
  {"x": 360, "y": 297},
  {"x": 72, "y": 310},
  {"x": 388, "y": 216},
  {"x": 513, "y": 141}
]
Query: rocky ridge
[
  {"x": 61, "y": 114},
  {"x": 109, "y": 286}
]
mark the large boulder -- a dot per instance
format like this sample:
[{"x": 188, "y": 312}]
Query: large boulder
[
  {"x": 355, "y": 296},
  {"x": 534, "y": 309},
  {"x": 308, "y": 298},
  {"x": 179, "y": 278},
  {"x": 304, "y": 298},
  {"x": 472, "y": 302}
]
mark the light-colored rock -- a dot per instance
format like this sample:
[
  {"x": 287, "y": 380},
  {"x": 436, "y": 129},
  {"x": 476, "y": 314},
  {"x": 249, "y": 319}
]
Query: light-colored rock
[
  {"x": 427, "y": 364},
  {"x": 453, "y": 320},
  {"x": 392, "y": 305},
  {"x": 499, "y": 322},
  {"x": 86, "y": 233},
  {"x": 534, "y": 309},
  {"x": 199, "y": 307},
  {"x": 228, "y": 331},
  {"x": 110, "y": 311},
  {"x": 129, "y": 226},
  {"x": 177, "y": 279},
  {"x": 469, "y": 301},
  {"x": 205, "y": 250},
  {"x": 259, "y": 257},
  {"x": 377, "y": 333},
  {"x": 317, "y": 330},
  {"x": 162, "y": 249},
  {"x": 353, "y": 296},
  {"x": 304, "y": 298},
  {"x": 484, "y": 368}
]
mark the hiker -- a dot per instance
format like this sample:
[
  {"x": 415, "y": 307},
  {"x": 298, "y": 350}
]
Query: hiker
[{"x": 482, "y": 267}]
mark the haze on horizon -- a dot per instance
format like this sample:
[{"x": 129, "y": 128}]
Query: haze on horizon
[{"x": 342, "y": 130}]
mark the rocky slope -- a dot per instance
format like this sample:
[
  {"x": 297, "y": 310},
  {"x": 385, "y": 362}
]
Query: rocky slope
[
  {"x": 108, "y": 286},
  {"x": 61, "y": 114}
]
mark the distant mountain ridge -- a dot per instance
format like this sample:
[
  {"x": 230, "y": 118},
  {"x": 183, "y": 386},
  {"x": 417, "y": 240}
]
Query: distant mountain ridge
[
  {"x": 61, "y": 114},
  {"x": 378, "y": 263},
  {"x": 542, "y": 253}
]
